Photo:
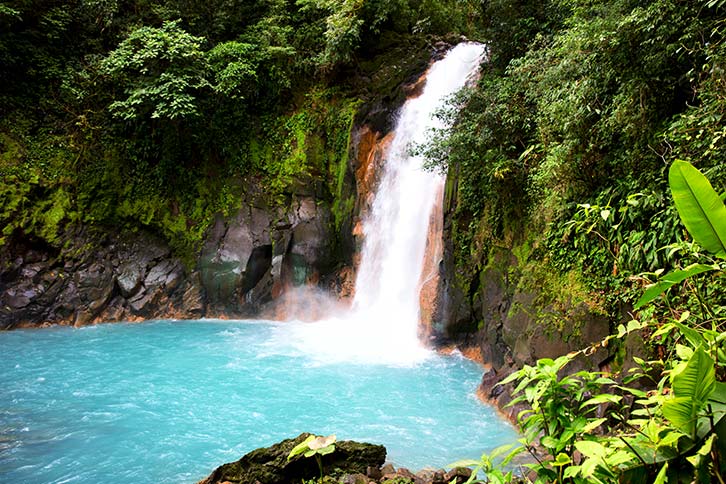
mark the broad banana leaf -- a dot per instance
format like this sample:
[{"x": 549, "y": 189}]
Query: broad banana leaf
[
  {"x": 699, "y": 206},
  {"x": 693, "y": 382},
  {"x": 669, "y": 280}
]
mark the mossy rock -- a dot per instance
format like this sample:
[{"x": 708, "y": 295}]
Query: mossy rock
[{"x": 270, "y": 465}]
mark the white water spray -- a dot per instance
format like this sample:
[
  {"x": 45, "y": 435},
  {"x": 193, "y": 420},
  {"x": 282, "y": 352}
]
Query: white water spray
[{"x": 382, "y": 325}]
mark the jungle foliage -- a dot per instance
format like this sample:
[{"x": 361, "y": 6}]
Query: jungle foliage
[
  {"x": 150, "y": 113},
  {"x": 660, "y": 421},
  {"x": 564, "y": 145},
  {"x": 593, "y": 146}
]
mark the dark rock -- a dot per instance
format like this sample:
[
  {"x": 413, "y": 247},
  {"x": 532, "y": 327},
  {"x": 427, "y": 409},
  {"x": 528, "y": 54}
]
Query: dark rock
[
  {"x": 158, "y": 273},
  {"x": 431, "y": 476},
  {"x": 262, "y": 292},
  {"x": 129, "y": 279},
  {"x": 407, "y": 475},
  {"x": 192, "y": 301},
  {"x": 374, "y": 473},
  {"x": 258, "y": 265},
  {"x": 270, "y": 465},
  {"x": 117, "y": 309},
  {"x": 388, "y": 469},
  {"x": 458, "y": 475},
  {"x": 354, "y": 479},
  {"x": 16, "y": 300},
  {"x": 310, "y": 233}
]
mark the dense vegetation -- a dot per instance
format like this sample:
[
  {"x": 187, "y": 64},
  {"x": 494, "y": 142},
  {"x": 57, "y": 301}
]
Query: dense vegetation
[
  {"x": 573, "y": 126},
  {"x": 562, "y": 153},
  {"x": 157, "y": 113},
  {"x": 149, "y": 113}
]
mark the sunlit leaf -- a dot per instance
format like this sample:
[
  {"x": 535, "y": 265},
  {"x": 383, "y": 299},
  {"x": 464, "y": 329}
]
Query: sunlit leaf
[
  {"x": 463, "y": 463},
  {"x": 591, "y": 448},
  {"x": 603, "y": 398},
  {"x": 668, "y": 281},
  {"x": 662, "y": 476},
  {"x": 593, "y": 425},
  {"x": 562, "y": 459},
  {"x": 692, "y": 383},
  {"x": 699, "y": 206},
  {"x": 301, "y": 447}
]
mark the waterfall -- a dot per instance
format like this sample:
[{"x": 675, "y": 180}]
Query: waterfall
[{"x": 382, "y": 324}]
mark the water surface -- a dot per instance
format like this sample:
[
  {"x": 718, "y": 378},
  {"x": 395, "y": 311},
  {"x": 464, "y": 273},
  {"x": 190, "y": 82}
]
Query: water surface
[{"x": 167, "y": 402}]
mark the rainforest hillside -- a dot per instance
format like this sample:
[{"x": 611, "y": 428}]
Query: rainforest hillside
[
  {"x": 147, "y": 114},
  {"x": 566, "y": 168}
]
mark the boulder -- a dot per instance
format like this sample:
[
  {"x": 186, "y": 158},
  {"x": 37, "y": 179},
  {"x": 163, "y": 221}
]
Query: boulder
[
  {"x": 129, "y": 279},
  {"x": 270, "y": 465},
  {"x": 458, "y": 475}
]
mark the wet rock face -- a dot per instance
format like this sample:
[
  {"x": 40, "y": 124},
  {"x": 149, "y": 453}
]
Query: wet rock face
[
  {"x": 270, "y": 465},
  {"x": 503, "y": 320},
  {"x": 95, "y": 278},
  {"x": 248, "y": 259},
  {"x": 512, "y": 333}
]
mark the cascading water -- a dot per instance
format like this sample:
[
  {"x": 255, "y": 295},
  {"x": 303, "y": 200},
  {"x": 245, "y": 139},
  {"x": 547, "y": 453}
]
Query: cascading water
[
  {"x": 153, "y": 402},
  {"x": 382, "y": 325}
]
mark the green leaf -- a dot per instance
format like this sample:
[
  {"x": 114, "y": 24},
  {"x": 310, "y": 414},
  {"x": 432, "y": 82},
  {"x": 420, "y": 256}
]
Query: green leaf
[
  {"x": 301, "y": 447},
  {"x": 670, "y": 439},
  {"x": 327, "y": 450},
  {"x": 692, "y": 383},
  {"x": 669, "y": 280},
  {"x": 514, "y": 376},
  {"x": 684, "y": 352},
  {"x": 593, "y": 425},
  {"x": 463, "y": 463},
  {"x": 699, "y": 206},
  {"x": 603, "y": 398},
  {"x": 634, "y": 324},
  {"x": 514, "y": 453},
  {"x": 719, "y": 393},
  {"x": 549, "y": 442},
  {"x": 500, "y": 451},
  {"x": 562, "y": 459},
  {"x": 662, "y": 478},
  {"x": 705, "y": 449},
  {"x": 590, "y": 448}
]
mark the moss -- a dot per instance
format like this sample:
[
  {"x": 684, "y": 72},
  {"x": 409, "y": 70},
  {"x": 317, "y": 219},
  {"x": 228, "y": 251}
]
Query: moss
[
  {"x": 558, "y": 297},
  {"x": 114, "y": 180},
  {"x": 343, "y": 203}
]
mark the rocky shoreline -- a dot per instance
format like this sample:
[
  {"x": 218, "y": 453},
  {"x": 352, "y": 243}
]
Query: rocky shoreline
[{"x": 247, "y": 260}]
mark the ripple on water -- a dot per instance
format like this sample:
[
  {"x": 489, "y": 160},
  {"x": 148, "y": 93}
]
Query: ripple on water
[{"x": 168, "y": 402}]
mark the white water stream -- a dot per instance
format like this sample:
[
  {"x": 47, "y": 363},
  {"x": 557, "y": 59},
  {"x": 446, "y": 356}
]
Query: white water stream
[{"x": 382, "y": 324}]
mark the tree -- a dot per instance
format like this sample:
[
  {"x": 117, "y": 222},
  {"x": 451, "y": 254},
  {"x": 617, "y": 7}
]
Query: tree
[{"x": 160, "y": 72}]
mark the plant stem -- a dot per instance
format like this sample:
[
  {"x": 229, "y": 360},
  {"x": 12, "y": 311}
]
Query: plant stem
[
  {"x": 634, "y": 452},
  {"x": 320, "y": 466}
]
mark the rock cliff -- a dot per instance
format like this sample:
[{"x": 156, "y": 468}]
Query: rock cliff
[
  {"x": 496, "y": 303},
  {"x": 97, "y": 273},
  {"x": 104, "y": 275}
]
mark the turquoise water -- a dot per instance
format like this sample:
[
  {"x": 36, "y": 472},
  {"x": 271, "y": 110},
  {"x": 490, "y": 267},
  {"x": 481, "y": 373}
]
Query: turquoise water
[{"x": 167, "y": 402}]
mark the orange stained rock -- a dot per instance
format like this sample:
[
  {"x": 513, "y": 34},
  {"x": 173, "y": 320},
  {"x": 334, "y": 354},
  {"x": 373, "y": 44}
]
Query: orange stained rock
[
  {"x": 372, "y": 149},
  {"x": 429, "y": 284}
]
